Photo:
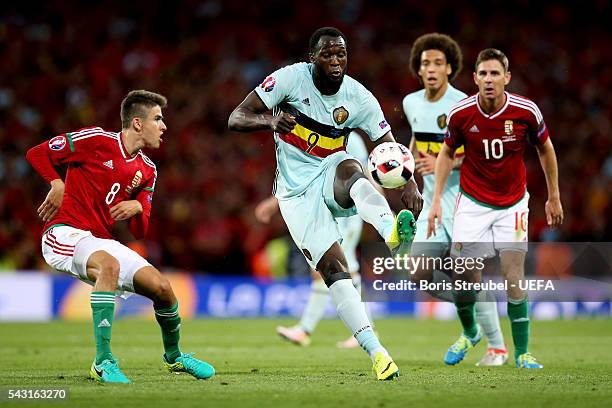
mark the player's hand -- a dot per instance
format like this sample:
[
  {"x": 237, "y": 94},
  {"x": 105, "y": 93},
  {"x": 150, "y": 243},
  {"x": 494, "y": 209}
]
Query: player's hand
[
  {"x": 266, "y": 209},
  {"x": 425, "y": 164},
  {"x": 554, "y": 212},
  {"x": 283, "y": 123},
  {"x": 125, "y": 210},
  {"x": 53, "y": 201},
  {"x": 412, "y": 198},
  {"x": 434, "y": 218}
]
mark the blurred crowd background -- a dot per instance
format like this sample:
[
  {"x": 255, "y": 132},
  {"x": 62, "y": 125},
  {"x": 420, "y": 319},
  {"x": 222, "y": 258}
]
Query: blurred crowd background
[{"x": 65, "y": 65}]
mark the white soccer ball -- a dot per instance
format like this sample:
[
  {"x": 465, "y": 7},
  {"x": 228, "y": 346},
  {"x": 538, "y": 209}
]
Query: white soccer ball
[{"x": 391, "y": 164}]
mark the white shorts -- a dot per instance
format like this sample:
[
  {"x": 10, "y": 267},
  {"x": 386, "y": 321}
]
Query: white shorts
[
  {"x": 311, "y": 215},
  {"x": 478, "y": 230},
  {"x": 67, "y": 249}
]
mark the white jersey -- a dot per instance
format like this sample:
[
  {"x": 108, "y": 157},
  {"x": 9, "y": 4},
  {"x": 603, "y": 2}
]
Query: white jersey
[
  {"x": 428, "y": 121},
  {"x": 356, "y": 147},
  {"x": 324, "y": 123}
]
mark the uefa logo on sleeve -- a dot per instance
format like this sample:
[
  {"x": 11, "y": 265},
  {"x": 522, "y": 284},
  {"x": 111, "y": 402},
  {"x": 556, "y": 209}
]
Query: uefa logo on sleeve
[
  {"x": 57, "y": 143},
  {"x": 268, "y": 84}
]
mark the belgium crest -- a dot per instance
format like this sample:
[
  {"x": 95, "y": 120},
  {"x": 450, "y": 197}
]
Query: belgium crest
[
  {"x": 442, "y": 121},
  {"x": 340, "y": 115}
]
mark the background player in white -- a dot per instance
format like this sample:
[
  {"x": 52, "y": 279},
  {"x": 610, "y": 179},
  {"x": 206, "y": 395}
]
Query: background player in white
[
  {"x": 350, "y": 230},
  {"x": 492, "y": 210},
  {"x": 436, "y": 59},
  {"x": 315, "y": 107}
]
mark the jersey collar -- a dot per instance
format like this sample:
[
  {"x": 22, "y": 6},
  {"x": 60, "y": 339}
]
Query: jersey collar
[
  {"x": 124, "y": 150},
  {"x": 498, "y": 112}
]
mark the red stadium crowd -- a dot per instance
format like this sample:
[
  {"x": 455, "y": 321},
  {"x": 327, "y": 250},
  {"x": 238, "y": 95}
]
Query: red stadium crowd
[{"x": 65, "y": 67}]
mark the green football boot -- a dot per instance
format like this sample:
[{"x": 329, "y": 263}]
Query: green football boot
[
  {"x": 107, "y": 371},
  {"x": 403, "y": 233},
  {"x": 186, "y": 363}
]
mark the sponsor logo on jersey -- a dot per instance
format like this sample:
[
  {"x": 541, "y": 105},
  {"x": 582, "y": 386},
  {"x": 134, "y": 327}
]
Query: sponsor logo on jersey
[
  {"x": 474, "y": 129},
  {"x": 340, "y": 115},
  {"x": 268, "y": 84},
  {"x": 442, "y": 121},
  {"x": 108, "y": 164},
  {"x": 135, "y": 182},
  {"x": 306, "y": 101},
  {"x": 150, "y": 198},
  {"x": 508, "y": 128},
  {"x": 57, "y": 143},
  {"x": 383, "y": 124}
]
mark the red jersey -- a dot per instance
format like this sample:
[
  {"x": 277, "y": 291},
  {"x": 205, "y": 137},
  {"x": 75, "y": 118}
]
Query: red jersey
[
  {"x": 493, "y": 171},
  {"x": 100, "y": 175}
]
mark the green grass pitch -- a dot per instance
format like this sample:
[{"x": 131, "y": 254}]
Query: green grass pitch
[{"x": 255, "y": 368}]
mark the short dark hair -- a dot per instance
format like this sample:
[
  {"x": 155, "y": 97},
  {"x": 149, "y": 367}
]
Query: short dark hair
[
  {"x": 492, "y": 54},
  {"x": 440, "y": 42},
  {"x": 321, "y": 32},
  {"x": 136, "y": 102}
]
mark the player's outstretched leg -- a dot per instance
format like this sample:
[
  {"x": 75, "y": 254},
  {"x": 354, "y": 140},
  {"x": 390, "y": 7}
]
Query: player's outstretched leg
[
  {"x": 351, "y": 310},
  {"x": 373, "y": 208},
  {"x": 149, "y": 282},
  {"x": 351, "y": 187},
  {"x": 488, "y": 318},
  {"x": 103, "y": 269}
]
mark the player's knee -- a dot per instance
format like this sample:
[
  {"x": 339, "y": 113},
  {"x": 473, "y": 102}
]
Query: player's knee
[
  {"x": 333, "y": 269},
  {"x": 163, "y": 291},
  {"x": 109, "y": 268},
  {"x": 348, "y": 172}
]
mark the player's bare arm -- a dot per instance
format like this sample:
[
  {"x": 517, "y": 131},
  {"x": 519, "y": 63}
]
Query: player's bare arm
[
  {"x": 53, "y": 201},
  {"x": 411, "y": 196},
  {"x": 425, "y": 163},
  {"x": 444, "y": 165},
  {"x": 548, "y": 160},
  {"x": 265, "y": 210},
  {"x": 251, "y": 115},
  {"x": 126, "y": 210}
]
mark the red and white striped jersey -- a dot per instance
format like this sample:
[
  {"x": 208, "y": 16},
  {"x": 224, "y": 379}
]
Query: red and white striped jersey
[
  {"x": 493, "y": 171},
  {"x": 100, "y": 175}
]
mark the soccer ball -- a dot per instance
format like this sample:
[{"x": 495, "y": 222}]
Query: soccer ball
[{"x": 391, "y": 164}]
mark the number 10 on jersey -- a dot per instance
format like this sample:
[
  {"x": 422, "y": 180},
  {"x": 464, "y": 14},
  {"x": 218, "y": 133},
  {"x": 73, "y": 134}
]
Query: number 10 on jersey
[{"x": 494, "y": 150}]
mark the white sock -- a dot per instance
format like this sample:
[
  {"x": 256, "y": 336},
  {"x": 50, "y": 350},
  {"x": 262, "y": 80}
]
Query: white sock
[
  {"x": 372, "y": 207},
  {"x": 352, "y": 312},
  {"x": 315, "y": 308},
  {"x": 349, "y": 306},
  {"x": 357, "y": 284},
  {"x": 487, "y": 317}
]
